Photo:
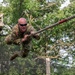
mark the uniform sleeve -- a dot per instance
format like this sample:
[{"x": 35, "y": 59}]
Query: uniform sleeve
[
  {"x": 12, "y": 37},
  {"x": 32, "y": 29}
]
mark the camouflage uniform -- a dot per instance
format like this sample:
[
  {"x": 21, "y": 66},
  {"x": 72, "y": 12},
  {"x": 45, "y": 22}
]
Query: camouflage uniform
[{"x": 16, "y": 36}]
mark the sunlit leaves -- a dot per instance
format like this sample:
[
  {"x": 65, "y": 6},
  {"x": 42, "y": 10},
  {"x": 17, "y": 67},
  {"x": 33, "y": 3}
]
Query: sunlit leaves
[
  {"x": 32, "y": 5},
  {"x": 41, "y": 14}
]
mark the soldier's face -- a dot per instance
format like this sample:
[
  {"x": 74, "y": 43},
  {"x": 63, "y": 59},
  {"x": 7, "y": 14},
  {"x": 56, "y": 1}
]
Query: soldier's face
[{"x": 22, "y": 27}]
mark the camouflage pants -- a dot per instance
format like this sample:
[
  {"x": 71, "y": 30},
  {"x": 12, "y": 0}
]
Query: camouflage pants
[
  {"x": 24, "y": 48},
  {"x": 22, "y": 53}
]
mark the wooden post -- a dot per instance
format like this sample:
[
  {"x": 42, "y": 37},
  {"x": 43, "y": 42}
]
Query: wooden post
[
  {"x": 47, "y": 66},
  {"x": 1, "y": 21}
]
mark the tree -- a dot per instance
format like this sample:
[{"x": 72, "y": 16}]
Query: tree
[{"x": 41, "y": 14}]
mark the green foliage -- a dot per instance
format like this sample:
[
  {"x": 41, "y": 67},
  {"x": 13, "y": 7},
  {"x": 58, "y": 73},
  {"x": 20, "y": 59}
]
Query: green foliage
[
  {"x": 32, "y": 5},
  {"x": 40, "y": 14},
  {"x": 13, "y": 71}
]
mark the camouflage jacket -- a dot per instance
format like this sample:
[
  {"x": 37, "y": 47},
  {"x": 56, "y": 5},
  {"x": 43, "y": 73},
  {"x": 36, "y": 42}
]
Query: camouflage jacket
[{"x": 16, "y": 35}]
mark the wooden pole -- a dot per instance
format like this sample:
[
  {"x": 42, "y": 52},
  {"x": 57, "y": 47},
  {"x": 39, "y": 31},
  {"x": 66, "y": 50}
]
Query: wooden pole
[
  {"x": 55, "y": 24},
  {"x": 1, "y": 21},
  {"x": 48, "y": 66}
]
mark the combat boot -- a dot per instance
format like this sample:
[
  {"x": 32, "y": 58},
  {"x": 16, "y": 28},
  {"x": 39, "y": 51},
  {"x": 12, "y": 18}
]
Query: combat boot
[{"x": 13, "y": 57}]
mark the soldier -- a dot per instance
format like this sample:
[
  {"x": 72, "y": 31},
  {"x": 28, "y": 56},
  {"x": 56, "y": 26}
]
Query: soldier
[{"x": 21, "y": 35}]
